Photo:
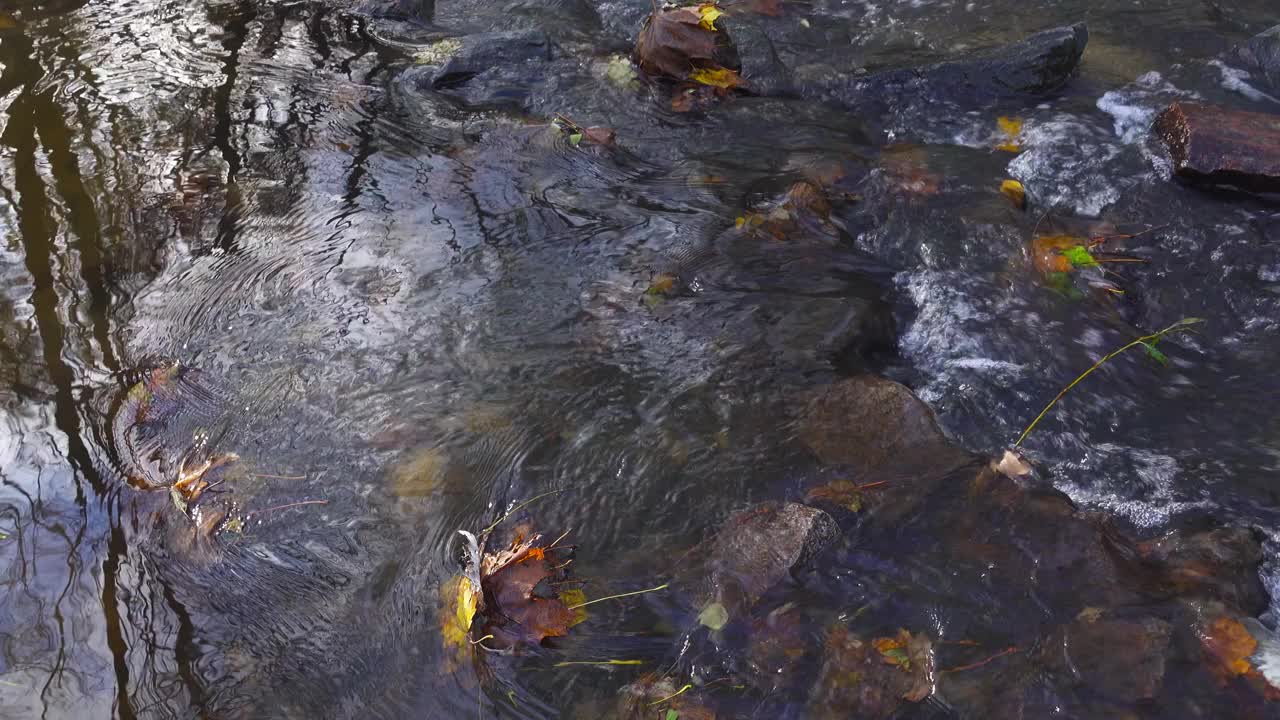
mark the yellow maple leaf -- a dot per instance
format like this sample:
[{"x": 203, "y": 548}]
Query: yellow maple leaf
[
  {"x": 716, "y": 77},
  {"x": 708, "y": 12}
]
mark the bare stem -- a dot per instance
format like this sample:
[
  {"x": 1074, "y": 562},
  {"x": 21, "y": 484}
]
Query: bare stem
[
  {"x": 1179, "y": 326},
  {"x": 663, "y": 586}
]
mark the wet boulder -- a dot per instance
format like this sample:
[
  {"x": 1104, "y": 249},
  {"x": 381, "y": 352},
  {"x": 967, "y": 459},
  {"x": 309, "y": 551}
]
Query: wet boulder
[
  {"x": 1261, "y": 56},
  {"x": 1218, "y": 146},
  {"x": 756, "y": 550},
  {"x": 1038, "y": 65},
  {"x": 871, "y": 678},
  {"x": 487, "y": 69},
  {"x": 1121, "y": 658}
]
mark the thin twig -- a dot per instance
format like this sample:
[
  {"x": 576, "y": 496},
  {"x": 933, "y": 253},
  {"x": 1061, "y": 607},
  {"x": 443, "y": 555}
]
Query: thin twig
[
  {"x": 663, "y": 586},
  {"x": 517, "y": 509},
  {"x": 1180, "y": 325},
  {"x": 1007, "y": 651},
  {"x": 287, "y": 506},
  {"x": 868, "y": 486},
  {"x": 278, "y": 477}
]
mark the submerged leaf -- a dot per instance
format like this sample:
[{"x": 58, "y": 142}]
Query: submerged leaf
[
  {"x": 714, "y": 616},
  {"x": 716, "y": 77},
  {"x": 1154, "y": 353}
]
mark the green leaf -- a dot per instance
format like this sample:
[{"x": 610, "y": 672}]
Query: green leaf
[
  {"x": 1079, "y": 256},
  {"x": 714, "y": 616},
  {"x": 673, "y": 715},
  {"x": 1154, "y": 353},
  {"x": 575, "y": 138}
]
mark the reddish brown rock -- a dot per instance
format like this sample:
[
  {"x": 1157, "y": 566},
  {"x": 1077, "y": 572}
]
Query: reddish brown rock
[{"x": 1217, "y": 145}]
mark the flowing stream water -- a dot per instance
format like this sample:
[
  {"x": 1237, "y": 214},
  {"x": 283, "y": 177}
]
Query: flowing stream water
[{"x": 406, "y": 311}]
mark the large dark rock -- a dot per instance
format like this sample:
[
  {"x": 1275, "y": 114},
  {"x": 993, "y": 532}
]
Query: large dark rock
[
  {"x": 1216, "y": 145},
  {"x": 1038, "y": 65}
]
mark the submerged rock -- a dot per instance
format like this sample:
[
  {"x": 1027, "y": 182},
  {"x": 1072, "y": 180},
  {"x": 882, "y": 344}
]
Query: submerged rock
[
  {"x": 871, "y": 679},
  {"x": 759, "y": 548},
  {"x": 1216, "y": 145},
  {"x": 1121, "y": 658},
  {"x": 1218, "y": 565},
  {"x": 868, "y": 423},
  {"x": 488, "y": 68}
]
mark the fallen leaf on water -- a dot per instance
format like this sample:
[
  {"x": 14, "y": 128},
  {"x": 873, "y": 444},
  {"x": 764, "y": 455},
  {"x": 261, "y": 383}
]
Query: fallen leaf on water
[
  {"x": 708, "y": 14},
  {"x": 716, "y": 77},
  {"x": 1014, "y": 190},
  {"x": 460, "y": 601},
  {"x": 1079, "y": 256},
  {"x": 1047, "y": 252}
]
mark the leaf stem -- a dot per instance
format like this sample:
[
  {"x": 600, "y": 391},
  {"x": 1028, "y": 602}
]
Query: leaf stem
[
  {"x": 517, "y": 509},
  {"x": 663, "y": 586},
  {"x": 1178, "y": 326},
  {"x": 675, "y": 694}
]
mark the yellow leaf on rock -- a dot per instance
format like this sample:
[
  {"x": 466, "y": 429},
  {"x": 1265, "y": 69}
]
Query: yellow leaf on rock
[
  {"x": 1013, "y": 190},
  {"x": 708, "y": 12},
  {"x": 716, "y": 77}
]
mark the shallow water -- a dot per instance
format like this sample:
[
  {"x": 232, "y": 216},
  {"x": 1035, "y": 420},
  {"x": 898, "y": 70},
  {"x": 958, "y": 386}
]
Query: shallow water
[{"x": 421, "y": 313}]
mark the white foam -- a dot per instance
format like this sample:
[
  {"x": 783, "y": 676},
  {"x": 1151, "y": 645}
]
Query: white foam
[
  {"x": 1234, "y": 79},
  {"x": 1066, "y": 164},
  {"x": 1157, "y": 474}
]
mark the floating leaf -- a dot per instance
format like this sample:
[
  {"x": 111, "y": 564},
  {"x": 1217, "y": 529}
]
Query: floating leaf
[
  {"x": 460, "y": 604},
  {"x": 714, "y": 616},
  {"x": 574, "y": 139},
  {"x": 1079, "y": 256},
  {"x": 716, "y": 77},
  {"x": 672, "y": 715},
  {"x": 1154, "y": 353},
  {"x": 1014, "y": 190},
  {"x": 708, "y": 14}
]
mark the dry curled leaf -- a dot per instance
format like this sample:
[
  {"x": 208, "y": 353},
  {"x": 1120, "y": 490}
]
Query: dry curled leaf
[
  {"x": 673, "y": 40},
  {"x": 1012, "y": 466}
]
